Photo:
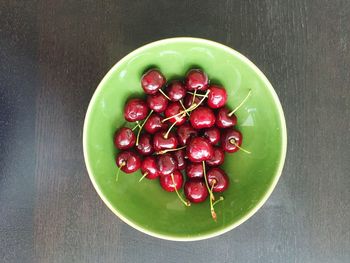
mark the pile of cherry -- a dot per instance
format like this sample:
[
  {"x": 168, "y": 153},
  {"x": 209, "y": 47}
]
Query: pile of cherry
[{"x": 186, "y": 127}]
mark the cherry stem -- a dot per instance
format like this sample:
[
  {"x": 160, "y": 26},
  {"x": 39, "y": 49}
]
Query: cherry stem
[
  {"x": 143, "y": 176},
  {"x": 170, "y": 150},
  {"x": 233, "y": 141},
  {"x": 137, "y": 125},
  {"x": 186, "y": 203},
  {"x": 201, "y": 101},
  {"x": 206, "y": 182},
  {"x": 212, "y": 210},
  {"x": 197, "y": 94},
  {"x": 167, "y": 133},
  {"x": 139, "y": 131},
  {"x": 218, "y": 201},
  {"x": 244, "y": 100},
  {"x": 183, "y": 106},
  {"x": 166, "y": 96},
  {"x": 194, "y": 96},
  {"x": 119, "y": 168}
]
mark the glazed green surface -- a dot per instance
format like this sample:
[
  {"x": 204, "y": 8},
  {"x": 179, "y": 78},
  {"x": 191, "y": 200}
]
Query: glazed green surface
[{"x": 145, "y": 205}]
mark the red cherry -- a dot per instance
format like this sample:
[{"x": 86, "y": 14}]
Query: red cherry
[
  {"x": 223, "y": 120},
  {"x": 189, "y": 99},
  {"x": 157, "y": 102},
  {"x": 152, "y": 81},
  {"x": 172, "y": 110},
  {"x": 135, "y": 110},
  {"x": 166, "y": 164},
  {"x": 149, "y": 166},
  {"x": 167, "y": 183},
  {"x": 218, "y": 157},
  {"x": 128, "y": 161},
  {"x": 199, "y": 149},
  {"x": 160, "y": 143},
  {"x": 220, "y": 178},
  {"x": 202, "y": 117},
  {"x": 194, "y": 170},
  {"x": 145, "y": 146},
  {"x": 124, "y": 138},
  {"x": 154, "y": 124},
  {"x": 212, "y": 135},
  {"x": 176, "y": 90},
  {"x": 195, "y": 190},
  {"x": 217, "y": 97},
  {"x": 196, "y": 79},
  {"x": 231, "y": 140},
  {"x": 185, "y": 132},
  {"x": 180, "y": 159}
]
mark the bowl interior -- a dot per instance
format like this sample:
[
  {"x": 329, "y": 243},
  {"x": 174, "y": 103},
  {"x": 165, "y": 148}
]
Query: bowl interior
[{"x": 145, "y": 205}]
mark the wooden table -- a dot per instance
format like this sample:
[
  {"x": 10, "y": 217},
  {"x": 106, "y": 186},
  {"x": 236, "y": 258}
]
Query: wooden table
[{"x": 53, "y": 53}]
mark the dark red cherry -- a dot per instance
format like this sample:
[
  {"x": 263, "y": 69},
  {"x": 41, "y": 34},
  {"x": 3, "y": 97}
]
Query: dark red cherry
[
  {"x": 173, "y": 109},
  {"x": 212, "y": 135},
  {"x": 135, "y": 110},
  {"x": 218, "y": 157},
  {"x": 180, "y": 159},
  {"x": 202, "y": 117},
  {"x": 128, "y": 161},
  {"x": 217, "y": 97},
  {"x": 157, "y": 102},
  {"x": 176, "y": 90},
  {"x": 230, "y": 139},
  {"x": 166, "y": 164},
  {"x": 185, "y": 132},
  {"x": 189, "y": 99},
  {"x": 124, "y": 138},
  {"x": 154, "y": 124},
  {"x": 152, "y": 81},
  {"x": 223, "y": 120},
  {"x": 194, "y": 170},
  {"x": 160, "y": 143},
  {"x": 145, "y": 146},
  {"x": 219, "y": 178},
  {"x": 196, "y": 79},
  {"x": 149, "y": 166},
  {"x": 167, "y": 182},
  {"x": 195, "y": 190},
  {"x": 199, "y": 149}
]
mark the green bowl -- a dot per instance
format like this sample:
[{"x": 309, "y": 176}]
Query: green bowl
[{"x": 145, "y": 206}]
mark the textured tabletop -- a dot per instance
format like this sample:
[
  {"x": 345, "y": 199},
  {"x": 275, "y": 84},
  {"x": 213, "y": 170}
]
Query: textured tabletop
[{"x": 53, "y": 53}]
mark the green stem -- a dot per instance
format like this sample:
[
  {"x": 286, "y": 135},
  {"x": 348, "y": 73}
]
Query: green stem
[
  {"x": 119, "y": 168},
  {"x": 166, "y": 96},
  {"x": 233, "y": 141},
  {"x": 232, "y": 112},
  {"x": 186, "y": 203},
  {"x": 170, "y": 150},
  {"x": 139, "y": 131},
  {"x": 143, "y": 176}
]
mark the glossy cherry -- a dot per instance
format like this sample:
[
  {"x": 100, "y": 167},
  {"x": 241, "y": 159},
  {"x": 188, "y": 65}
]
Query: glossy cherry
[
  {"x": 128, "y": 161},
  {"x": 195, "y": 190},
  {"x": 124, "y": 138},
  {"x": 145, "y": 146},
  {"x": 173, "y": 109},
  {"x": 152, "y": 81},
  {"x": 217, "y": 97},
  {"x": 223, "y": 120},
  {"x": 194, "y": 170},
  {"x": 199, "y": 149},
  {"x": 202, "y": 117},
  {"x": 212, "y": 135},
  {"x": 218, "y": 157},
  {"x": 219, "y": 178},
  {"x": 176, "y": 90},
  {"x": 167, "y": 183},
  {"x": 162, "y": 143},
  {"x": 189, "y": 99},
  {"x": 135, "y": 110},
  {"x": 231, "y": 140},
  {"x": 157, "y": 102},
  {"x": 149, "y": 166},
  {"x": 196, "y": 79},
  {"x": 166, "y": 164},
  {"x": 185, "y": 132},
  {"x": 180, "y": 159},
  {"x": 154, "y": 124}
]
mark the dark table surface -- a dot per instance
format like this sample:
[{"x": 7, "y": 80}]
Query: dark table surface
[{"x": 53, "y": 53}]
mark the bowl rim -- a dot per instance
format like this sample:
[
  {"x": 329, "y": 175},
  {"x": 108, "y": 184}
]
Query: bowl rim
[{"x": 283, "y": 134}]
